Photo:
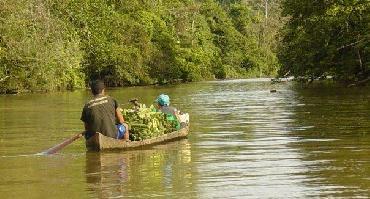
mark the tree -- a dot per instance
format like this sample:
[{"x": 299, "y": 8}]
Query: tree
[
  {"x": 63, "y": 44},
  {"x": 326, "y": 38},
  {"x": 38, "y": 51}
]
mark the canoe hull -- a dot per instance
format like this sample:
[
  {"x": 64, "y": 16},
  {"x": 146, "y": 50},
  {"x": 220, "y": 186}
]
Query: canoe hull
[{"x": 99, "y": 142}]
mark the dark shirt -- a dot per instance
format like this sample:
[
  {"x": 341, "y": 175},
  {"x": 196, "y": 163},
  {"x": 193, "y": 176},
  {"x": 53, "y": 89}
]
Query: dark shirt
[{"x": 100, "y": 115}]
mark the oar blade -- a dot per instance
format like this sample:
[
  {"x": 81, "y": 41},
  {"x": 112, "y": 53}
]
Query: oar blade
[{"x": 60, "y": 146}]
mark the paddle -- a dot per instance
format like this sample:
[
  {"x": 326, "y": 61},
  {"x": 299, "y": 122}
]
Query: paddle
[{"x": 60, "y": 146}]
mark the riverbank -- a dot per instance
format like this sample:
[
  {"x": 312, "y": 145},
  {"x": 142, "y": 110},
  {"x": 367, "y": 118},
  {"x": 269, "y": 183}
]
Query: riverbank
[{"x": 302, "y": 81}]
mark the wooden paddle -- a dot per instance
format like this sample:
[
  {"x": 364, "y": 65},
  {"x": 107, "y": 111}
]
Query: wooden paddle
[{"x": 60, "y": 146}]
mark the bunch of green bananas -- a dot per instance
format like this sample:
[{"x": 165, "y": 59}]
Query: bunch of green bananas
[{"x": 145, "y": 123}]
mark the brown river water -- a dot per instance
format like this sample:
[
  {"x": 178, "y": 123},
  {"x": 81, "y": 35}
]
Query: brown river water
[{"x": 244, "y": 142}]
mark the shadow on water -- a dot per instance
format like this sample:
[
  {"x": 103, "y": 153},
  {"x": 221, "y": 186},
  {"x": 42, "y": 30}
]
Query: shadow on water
[
  {"x": 336, "y": 148},
  {"x": 162, "y": 171}
]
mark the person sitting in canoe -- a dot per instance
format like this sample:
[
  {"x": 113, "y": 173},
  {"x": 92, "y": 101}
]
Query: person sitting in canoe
[
  {"x": 102, "y": 114},
  {"x": 172, "y": 114}
]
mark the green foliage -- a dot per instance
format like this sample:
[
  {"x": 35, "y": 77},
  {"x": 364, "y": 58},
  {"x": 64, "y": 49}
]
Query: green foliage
[
  {"x": 245, "y": 39},
  {"x": 62, "y": 44},
  {"x": 327, "y": 38},
  {"x": 38, "y": 51},
  {"x": 145, "y": 123},
  {"x": 114, "y": 43}
]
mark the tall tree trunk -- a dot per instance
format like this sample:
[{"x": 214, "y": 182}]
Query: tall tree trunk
[{"x": 360, "y": 61}]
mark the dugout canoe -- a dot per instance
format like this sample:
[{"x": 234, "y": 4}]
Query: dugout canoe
[{"x": 99, "y": 142}]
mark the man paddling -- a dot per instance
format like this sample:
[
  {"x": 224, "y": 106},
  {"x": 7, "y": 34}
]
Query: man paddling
[{"x": 102, "y": 114}]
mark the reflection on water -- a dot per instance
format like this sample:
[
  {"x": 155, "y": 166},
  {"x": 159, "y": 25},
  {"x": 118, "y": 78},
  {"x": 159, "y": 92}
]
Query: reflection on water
[
  {"x": 244, "y": 142},
  {"x": 162, "y": 171},
  {"x": 337, "y": 145},
  {"x": 246, "y": 149}
]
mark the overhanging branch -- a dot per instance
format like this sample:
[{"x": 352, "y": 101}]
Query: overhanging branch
[{"x": 4, "y": 78}]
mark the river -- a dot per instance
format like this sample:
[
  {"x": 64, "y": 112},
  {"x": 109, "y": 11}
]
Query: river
[{"x": 244, "y": 142}]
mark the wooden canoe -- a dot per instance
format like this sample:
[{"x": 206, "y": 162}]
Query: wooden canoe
[{"x": 100, "y": 142}]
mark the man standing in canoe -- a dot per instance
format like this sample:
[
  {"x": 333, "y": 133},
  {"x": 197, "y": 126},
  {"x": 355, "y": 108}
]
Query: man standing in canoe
[{"x": 102, "y": 114}]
